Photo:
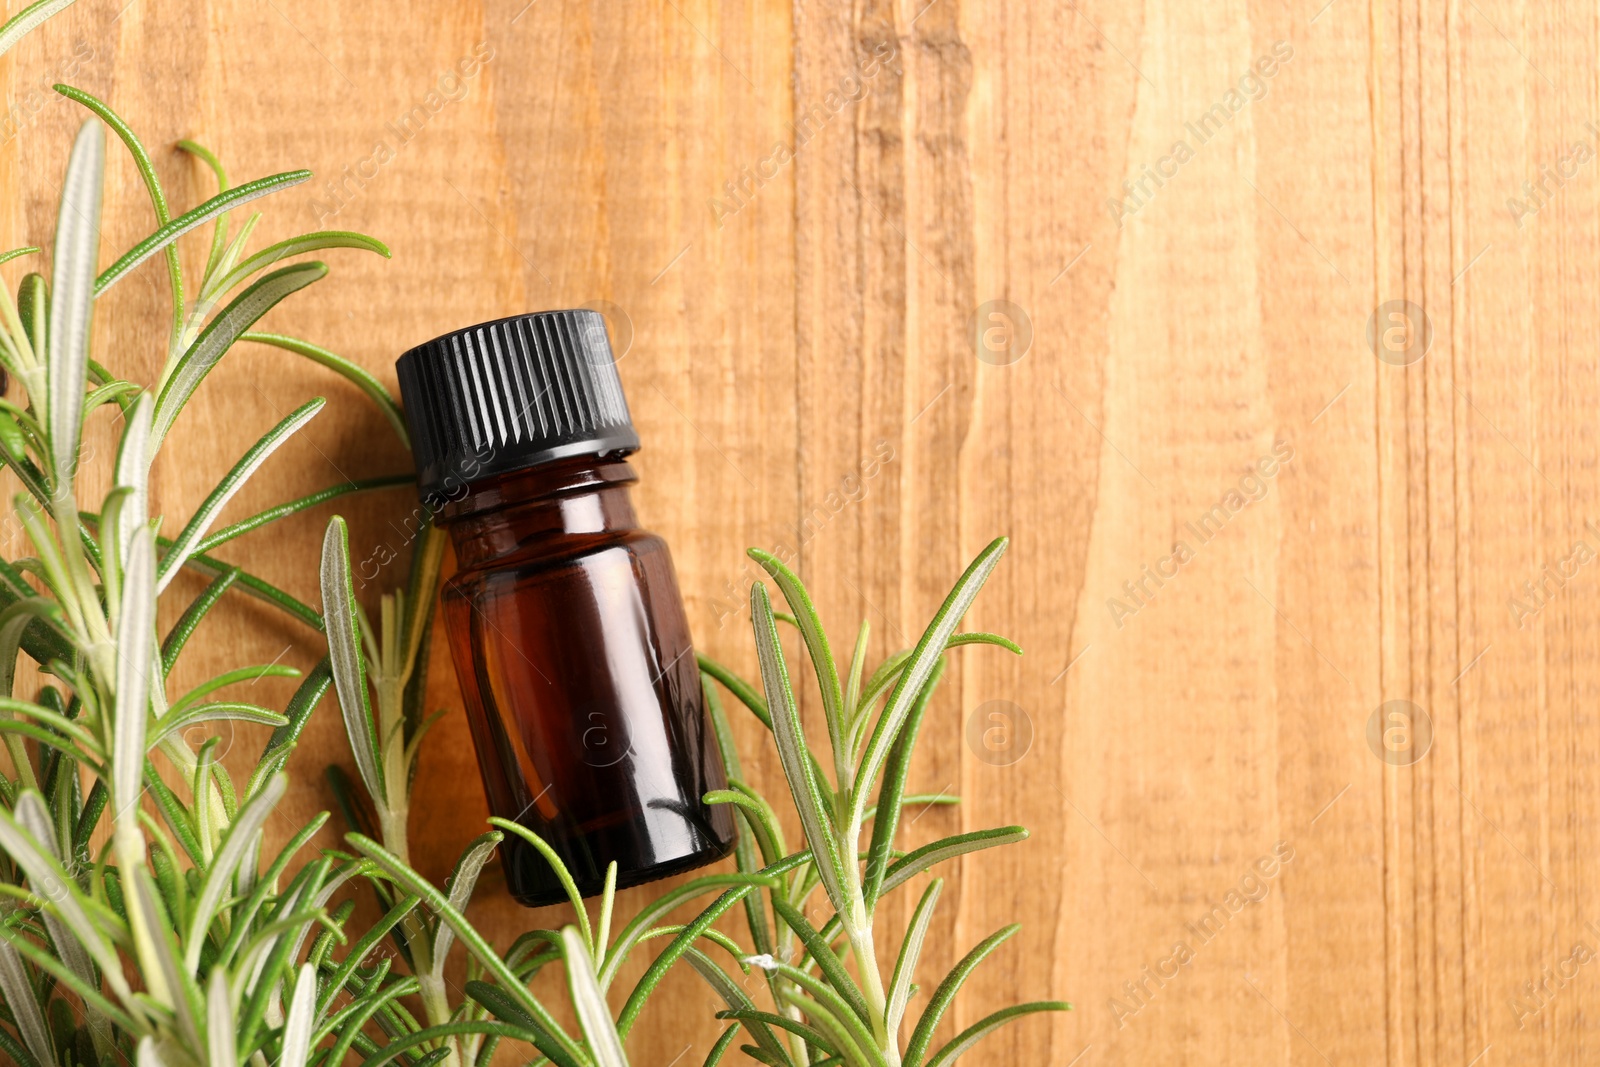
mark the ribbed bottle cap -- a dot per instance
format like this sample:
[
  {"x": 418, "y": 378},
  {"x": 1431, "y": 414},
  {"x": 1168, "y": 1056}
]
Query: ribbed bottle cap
[{"x": 506, "y": 395}]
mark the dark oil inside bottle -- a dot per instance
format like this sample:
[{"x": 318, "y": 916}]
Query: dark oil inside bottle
[{"x": 570, "y": 643}]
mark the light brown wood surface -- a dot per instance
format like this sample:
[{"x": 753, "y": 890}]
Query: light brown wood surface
[{"x": 1173, "y": 346}]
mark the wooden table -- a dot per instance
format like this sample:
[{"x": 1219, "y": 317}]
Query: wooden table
[{"x": 1079, "y": 273}]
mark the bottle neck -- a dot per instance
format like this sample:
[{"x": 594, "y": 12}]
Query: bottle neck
[{"x": 544, "y": 510}]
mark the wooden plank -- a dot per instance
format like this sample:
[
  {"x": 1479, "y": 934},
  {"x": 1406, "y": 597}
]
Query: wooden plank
[{"x": 821, "y": 226}]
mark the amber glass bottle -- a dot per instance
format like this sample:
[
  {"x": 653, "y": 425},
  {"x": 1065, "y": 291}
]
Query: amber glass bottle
[{"x": 564, "y": 618}]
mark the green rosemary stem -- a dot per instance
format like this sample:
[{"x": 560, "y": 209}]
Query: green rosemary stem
[
  {"x": 398, "y": 656},
  {"x": 858, "y": 930}
]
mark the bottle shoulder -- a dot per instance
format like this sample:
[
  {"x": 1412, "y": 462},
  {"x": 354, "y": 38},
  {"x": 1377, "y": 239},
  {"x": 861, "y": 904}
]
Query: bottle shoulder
[{"x": 548, "y": 553}]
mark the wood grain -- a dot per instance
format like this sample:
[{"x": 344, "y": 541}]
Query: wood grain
[{"x": 799, "y": 317}]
